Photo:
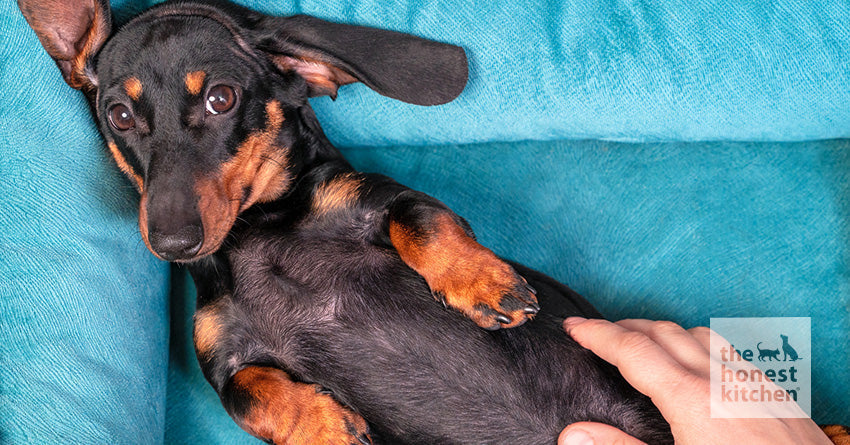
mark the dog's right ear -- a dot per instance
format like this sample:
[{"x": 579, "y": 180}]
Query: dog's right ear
[{"x": 72, "y": 32}]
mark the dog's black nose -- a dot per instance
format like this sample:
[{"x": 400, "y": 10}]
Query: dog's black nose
[{"x": 183, "y": 244}]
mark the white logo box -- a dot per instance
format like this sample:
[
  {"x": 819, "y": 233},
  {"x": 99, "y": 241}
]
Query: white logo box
[{"x": 762, "y": 369}]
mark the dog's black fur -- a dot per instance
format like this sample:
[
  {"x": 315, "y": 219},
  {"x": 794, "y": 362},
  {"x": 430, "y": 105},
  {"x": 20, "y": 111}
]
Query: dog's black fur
[{"x": 326, "y": 279}]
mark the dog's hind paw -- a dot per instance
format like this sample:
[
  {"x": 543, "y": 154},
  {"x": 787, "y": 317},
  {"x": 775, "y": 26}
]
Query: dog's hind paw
[
  {"x": 267, "y": 403},
  {"x": 838, "y": 434}
]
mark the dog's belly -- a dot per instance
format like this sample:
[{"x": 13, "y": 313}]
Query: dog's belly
[
  {"x": 355, "y": 319},
  {"x": 444, "y": 380}
]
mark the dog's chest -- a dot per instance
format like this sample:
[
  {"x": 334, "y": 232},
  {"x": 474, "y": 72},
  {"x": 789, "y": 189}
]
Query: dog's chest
[
  {"x": 297, "y": 283},
  {"x": 308, "y": 261},
  {"x": 310, "y": 291}
]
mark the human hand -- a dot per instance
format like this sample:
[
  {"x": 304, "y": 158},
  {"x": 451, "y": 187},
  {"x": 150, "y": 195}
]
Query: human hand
[{"x": 671, "y": 366}]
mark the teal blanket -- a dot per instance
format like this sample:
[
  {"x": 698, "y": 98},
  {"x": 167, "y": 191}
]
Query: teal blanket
[{"x": 595, "y": 142}]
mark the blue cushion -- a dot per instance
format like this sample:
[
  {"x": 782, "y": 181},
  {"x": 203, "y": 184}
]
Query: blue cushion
[
  {"x": 632, "y": 71},
  {"x": 83, "y": 305},
  {"x": 677, "y": 231}
]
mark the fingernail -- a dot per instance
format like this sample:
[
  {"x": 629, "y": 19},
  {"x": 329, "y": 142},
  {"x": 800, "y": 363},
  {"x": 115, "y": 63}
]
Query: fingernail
[
  {"x": 572, "y": 321},
  {"x": 577, "y": 437}
]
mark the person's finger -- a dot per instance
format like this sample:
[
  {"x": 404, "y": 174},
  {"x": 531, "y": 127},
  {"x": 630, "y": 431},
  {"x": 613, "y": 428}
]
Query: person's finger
[
  {"x": 702, "y": 334},
  {"x": 679, "y": 343},
  {"x": 591, "y": 433},
  {"x": 641, "y": 361}
]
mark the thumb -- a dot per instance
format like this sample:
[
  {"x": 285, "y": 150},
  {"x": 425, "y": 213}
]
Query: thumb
[{"x": 592, "y": 433}]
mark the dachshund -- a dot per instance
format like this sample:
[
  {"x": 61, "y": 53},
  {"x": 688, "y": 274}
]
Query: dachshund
[{"x": 318, "y": 313}]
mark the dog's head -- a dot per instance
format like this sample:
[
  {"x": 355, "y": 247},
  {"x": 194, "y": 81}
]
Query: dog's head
[{"x": 204, "y": 104}]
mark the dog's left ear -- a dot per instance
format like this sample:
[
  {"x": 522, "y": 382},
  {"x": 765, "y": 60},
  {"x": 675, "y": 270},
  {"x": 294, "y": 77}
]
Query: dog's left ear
[
  {"x": 72, "y": 32},
  {"x": 329, "y": 55}
]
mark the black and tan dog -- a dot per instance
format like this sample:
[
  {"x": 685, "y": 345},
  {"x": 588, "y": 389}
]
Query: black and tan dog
[{"x": 316, "y": 283}]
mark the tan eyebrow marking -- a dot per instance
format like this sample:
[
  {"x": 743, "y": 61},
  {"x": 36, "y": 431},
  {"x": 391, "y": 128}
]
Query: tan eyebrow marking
[
  {"x": 133, "y": 87},
  {"x": 195, "y": 81}
]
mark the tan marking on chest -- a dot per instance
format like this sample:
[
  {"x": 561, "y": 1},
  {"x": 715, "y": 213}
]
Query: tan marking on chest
[
  {"x": 338, "y": 193},
  {"x": 208, "y": 327}
]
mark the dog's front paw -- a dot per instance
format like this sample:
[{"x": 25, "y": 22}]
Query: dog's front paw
[
  {"x": 488, "y": 291},
  {"x": 461, "y": 272}
]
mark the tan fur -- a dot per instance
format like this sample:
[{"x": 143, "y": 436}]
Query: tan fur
[
  {"x": 124, "y": 166},
  {"x": 259, "y": 165},
  {"x": 143, "y": 222},
  {"x": 94, "y": 39},
  {"x": 323, "y": 78},
  {"x": 133, "y": 88},
  {"x": 291, "y": 413},
  {"x": 218, "y": 212},
  {"x": 207, "y": 331},
  {"x": 838, "y": 434},
  {"x": 195, "y": 82},
  {"x": 336, "y": 194},
  {"x": 455, "y": 265}
]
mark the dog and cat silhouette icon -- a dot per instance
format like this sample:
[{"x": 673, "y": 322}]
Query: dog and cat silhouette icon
[{"x": 773, "y": 354}]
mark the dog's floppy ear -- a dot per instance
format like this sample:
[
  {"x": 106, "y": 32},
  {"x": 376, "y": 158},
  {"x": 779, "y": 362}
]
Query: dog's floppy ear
[
  {"x": 396, "y": 65},
  {"x": 72, "y": 31}
]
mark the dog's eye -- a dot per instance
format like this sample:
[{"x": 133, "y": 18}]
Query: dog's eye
[
  {"x": 121, "y": 118},
  {"x": 220, "y": 99}
]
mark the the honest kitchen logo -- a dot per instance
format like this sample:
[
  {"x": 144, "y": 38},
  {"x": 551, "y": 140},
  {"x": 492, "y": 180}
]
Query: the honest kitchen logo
[
  {"x": 731, "y": 375},
  {"x": 763, "y": 370}
]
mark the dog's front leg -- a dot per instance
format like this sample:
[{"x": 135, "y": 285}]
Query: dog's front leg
[{"x": 440, "y": 246}]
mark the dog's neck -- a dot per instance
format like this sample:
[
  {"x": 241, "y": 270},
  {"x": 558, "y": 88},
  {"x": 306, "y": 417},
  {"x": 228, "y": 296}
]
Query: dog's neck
[
  {"x": 315, "y": 160},
  {"x": 318, "y": 149}
]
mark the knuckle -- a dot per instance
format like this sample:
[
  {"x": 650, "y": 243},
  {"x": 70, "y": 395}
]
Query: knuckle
[
  {"x": 665, "y": 328},
  {"x": 687, "y": 389},
  {"x": 596, "y": 323},
  {"x": 700, "y": 331}
]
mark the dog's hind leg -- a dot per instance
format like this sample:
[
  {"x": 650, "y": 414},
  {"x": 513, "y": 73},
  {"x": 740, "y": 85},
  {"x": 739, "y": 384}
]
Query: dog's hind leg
[
  {"x": 265, "y": 402},
  {"x": 838, "y": 434}
]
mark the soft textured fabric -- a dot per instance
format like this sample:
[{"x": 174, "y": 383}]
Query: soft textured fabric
[
  {"x": 676, "y": 231},
  {"x": 83, "y": 305},
  {"x": 680, "y": 70}
]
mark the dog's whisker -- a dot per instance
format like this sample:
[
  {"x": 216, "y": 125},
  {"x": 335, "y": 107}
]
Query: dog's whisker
[{"x": 267, "y": 158}]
